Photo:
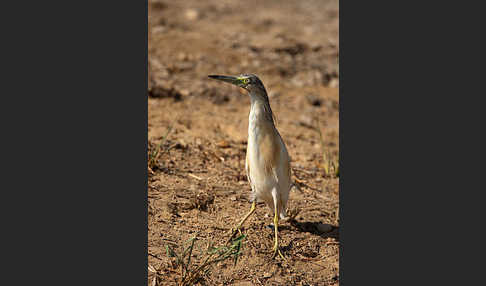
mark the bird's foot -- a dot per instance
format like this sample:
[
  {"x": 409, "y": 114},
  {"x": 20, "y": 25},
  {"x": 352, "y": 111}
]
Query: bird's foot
[
  {"x": 276, "y": 250},
  {"x": 233, "y": 232}
]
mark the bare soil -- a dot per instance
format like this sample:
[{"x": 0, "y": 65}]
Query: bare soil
[{"x": 197, "y": 183}]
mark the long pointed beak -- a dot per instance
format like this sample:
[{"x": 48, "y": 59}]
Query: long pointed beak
[{"x": 231, "y": 79}]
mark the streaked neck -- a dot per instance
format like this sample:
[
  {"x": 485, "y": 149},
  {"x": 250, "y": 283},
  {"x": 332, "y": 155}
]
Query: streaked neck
[{"x": 260, "y": 110}]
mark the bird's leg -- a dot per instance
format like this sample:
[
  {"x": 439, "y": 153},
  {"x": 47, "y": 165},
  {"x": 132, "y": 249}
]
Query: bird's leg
[
  {"x": 275, "y": 224},
  {"x": 237, "y": 229},
  {"x": 275, "y": 246}
]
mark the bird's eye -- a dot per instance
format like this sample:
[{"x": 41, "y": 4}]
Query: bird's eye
[{"x": 246, "y": 81}]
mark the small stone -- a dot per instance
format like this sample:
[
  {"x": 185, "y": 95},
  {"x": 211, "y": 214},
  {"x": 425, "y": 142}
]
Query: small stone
[
  {"x": 334, "y": 83},
  {"x": 191, "y": 14},
  {"x": 223, "y": 144},
  {"x": 181, "y": 144},
  {"x": 267, "y": 275},
  {"x": 158, "y": 29},
  {"x": 306, "y": 120},
  {"x": 185, "y": 92},
  {"x": 181, "y": 56}
]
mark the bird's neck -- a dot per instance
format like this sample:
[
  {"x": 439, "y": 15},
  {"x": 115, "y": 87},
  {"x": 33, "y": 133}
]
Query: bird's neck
[{"x": 260, "y": 112}]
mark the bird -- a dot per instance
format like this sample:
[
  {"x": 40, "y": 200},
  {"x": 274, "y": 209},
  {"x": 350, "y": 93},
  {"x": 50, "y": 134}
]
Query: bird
[{"x": 267, "y": 162}]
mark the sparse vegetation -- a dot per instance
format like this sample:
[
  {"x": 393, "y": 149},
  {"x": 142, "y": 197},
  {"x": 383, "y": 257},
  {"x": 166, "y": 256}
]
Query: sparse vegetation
[
  {"x": 330, "y": 164},
  {"x": 154, "y": 153},
  {"x": 193, "y": 273}
]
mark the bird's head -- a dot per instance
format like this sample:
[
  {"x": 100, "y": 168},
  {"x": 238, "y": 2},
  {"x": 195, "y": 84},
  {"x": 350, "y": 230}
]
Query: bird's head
[
  {"x": 255, "y": 88},
  {"x": 249, "y": 82}
]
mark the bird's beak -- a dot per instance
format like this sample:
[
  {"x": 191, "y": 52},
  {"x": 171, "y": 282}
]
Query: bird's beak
[{"x": 231, "y": 79}]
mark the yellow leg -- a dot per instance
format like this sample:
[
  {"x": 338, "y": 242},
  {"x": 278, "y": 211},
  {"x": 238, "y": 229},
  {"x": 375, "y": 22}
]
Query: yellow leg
[
  {"x": 237, "y": 228},
  {"x": 275, "y": 247}
]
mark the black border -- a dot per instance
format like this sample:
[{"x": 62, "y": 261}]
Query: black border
[
  {"x": 75, "y": 190},
  {"x": 75, "y": 138},
  {"x": 409, "y": 89}
]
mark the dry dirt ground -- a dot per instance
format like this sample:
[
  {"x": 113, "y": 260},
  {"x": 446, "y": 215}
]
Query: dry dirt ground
[{"x": 197, "y": 183}]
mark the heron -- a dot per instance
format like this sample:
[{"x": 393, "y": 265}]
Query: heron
[{"x": 267, "y": 162}]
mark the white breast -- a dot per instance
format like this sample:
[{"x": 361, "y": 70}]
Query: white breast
[{"x": 262, "y": 183}]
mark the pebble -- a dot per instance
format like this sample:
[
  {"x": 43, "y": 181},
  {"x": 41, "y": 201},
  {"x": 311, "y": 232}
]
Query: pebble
[
  {"x": 185, "y": 92},
  {"x": 306, "y": 120},
  {"x": 182, "y": 56},
  {"x": 158, "y": 29},
  {"x": 334, "y": 83},
  {"x": 223, "y": 144},
  {"x": 191, "y": 14},
  {"x": 182, "y": 144}
]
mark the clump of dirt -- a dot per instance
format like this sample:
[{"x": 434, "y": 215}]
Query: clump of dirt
[
  {"x": 160, "y": 91},
  {"x": 197, "y": 131},
  {"x": 202, "y": 201}
]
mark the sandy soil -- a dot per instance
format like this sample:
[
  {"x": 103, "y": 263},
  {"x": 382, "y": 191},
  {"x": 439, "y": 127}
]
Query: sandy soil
[{"x": 197, "y": 184}]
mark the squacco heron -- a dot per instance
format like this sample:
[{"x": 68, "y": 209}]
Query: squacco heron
[{"x": 267, "y": 160}]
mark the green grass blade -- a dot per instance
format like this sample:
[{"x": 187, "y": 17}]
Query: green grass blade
[
  {"x": 190, "y": 253},
  {"x": 237, "y": 252}
]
